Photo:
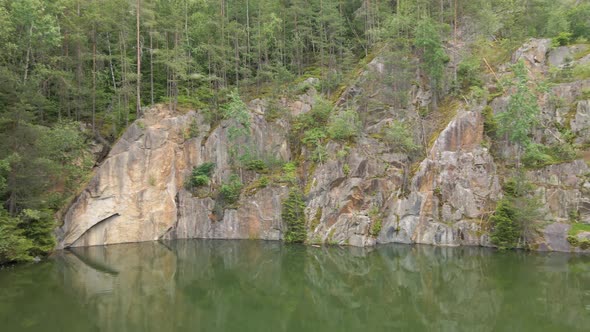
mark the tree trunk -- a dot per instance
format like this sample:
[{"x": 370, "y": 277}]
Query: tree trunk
[
  {"x": 138, "y": 100},
  {"x": 151, "y": 69},
  {"x": 93, "y": 77},
  {"x": 27, "y": 60}
]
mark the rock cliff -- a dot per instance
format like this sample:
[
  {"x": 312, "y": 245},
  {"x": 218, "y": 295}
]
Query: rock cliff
[{"x": 362, "y": 193}]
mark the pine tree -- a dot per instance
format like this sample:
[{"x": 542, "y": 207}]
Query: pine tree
[{"x": 293, "y": 215}]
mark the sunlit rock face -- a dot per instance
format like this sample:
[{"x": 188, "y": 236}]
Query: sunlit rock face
[
  {"x": 451, "y": 191},
  {"x": 137, "y": 193},
  {"x": 132, "y": 194},
  {"x": 358, "y": 194}
]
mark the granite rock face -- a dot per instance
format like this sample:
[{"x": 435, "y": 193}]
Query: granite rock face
[
  {"x": 132, "y": 194},
  {"x": 137, "y": 193},
  {"x": 362, "y": 194},
  {"x": 453, "y": 190}
]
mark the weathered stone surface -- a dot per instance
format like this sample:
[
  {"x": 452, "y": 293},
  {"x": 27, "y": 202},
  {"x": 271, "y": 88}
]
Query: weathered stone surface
[
  {"x": 555, "y": 238},
  {"x": 137, "y": 193},
  {"x": 362, "y": 194},
  {"x": 257, "y": 217},
  {"x": 559, "y": 56},
  {"x": 345, "y": 192},
  {"x": 451, "y": 192},
  {"x": 131, "y": 196},
  {"x": 562, "y": 55},
  {"x": 534, "y": 52},
  {"x": 580, "y": 124}
]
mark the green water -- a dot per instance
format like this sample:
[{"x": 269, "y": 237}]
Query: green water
[{"x": 202, "y": 285}]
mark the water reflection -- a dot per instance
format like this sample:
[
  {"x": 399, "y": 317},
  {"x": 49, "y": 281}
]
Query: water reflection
[{"x": 205, "y": 285}]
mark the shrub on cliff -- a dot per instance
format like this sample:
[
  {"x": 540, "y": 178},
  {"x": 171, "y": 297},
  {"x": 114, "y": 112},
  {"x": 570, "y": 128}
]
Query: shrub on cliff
[
  {"x": 344, "y": 125},
  {"x": 293, "y": 215},
  {"x": 514, "y": 221},
  {"x": 200, "y": 176},
  {"x": 230, "y": 191},
  {"x": 400, "y": 138},
  {"x": 506, "y": 230}
]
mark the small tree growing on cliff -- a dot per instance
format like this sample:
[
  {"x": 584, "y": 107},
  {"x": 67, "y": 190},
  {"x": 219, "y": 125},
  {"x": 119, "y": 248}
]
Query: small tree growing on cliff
[
  {"x": 505, "y": 234},
  {"x": 344, "y": 125},
  {"x": 522, "y": 112},
  {"x": 293, "y": 215},
  {"x": 200, "y": 176},
  {"x": 400, "y": 138},
  {"x": 516, "y": 215}
]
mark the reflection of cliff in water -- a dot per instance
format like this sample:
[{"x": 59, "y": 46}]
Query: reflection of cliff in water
[
  {"x": 124, "y": 286},
  {"x": 266, "y": 286}
]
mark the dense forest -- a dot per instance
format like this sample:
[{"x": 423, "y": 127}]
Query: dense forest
[{"x": 75, "y": 72}]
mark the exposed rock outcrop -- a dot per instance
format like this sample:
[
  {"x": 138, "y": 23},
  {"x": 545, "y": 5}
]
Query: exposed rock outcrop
[
  {"x": 137, "y": 193},
  {"x": 363, "y": 193}
]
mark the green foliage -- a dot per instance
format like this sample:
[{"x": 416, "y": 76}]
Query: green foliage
[
  {"x": 557, "y": 24},
  {"x": 46, "y": 165},
  {"x": 399, "y": 136},
  {"x": 572, "y": 238},
  {"x": 315, "y": 222},
  {"x": 575, "y": 229},
  {"x": 200, "y": 176},
  {"x": 27, "y": 236},
  {"x": 506, "y": 230},
  {"x": 260, "y": 162},
  {"x": 535, "y": 156},
  {"x": 428, "y": 38},
  {"x": 62, "y": 61},
  {"x": 152, "y": 181},
  {"x": 235, "y": 109},
  {"x": 562, "y": 39},
  {"x": 309, "y": 129},
  {"x": 469, "y": 73},
  {"x": 522, "y": 112},
  {"x": 316, "y": 118},
  {"x": 342, "y": 153},
  {"x": 570, "y": 72},
  {"x": 192, "y": 130},
  {"x": 540, "y": 155},
  {"x": 376, "y": 221},
  {"x": 575, "y": 242},
  {"x": 289, "y": 173},
  {"x": 579, "y": 19},
  {"x": 38, "y": 226},
  {"x": 581, "y": 72},
  {"x": 257, "y": 165},
  {"x": 478, "y": 94},
  {"x": 376, "y": 227},
  {"x": 346, "y": 169},
  {"x": 515, "y": 219},
  {"x": 314, "y": 139},
  {"x": 4, "y": 169},
  {"x": 263, "y": 182},
  {"x": 344, "y": 125},
  {"x": 293, "y": 215},
  {"x": 230, "y": 191},
  {"x": 14, "y": 245},
  {"x": 490, "y": 125},
  {"x": 274, "y": 110}
]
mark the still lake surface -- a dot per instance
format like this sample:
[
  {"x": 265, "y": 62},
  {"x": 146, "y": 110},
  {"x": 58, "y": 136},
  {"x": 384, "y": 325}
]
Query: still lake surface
[{"x": 208, "y": 285}]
